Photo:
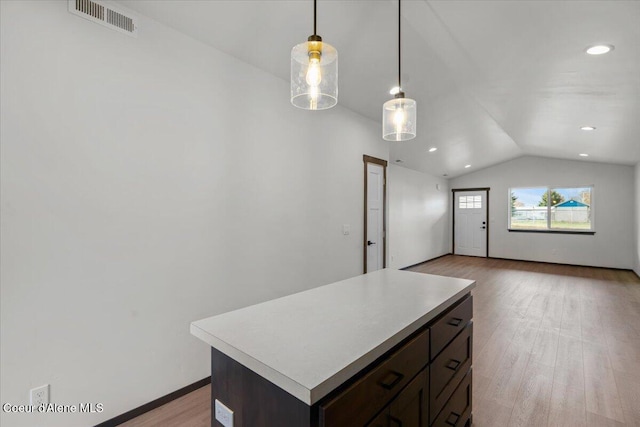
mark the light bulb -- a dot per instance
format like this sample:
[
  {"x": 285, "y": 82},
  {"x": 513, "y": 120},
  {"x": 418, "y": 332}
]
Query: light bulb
[
  {"x": 313, "y": 78},
  {"x": 399, "y": 117},
  {"x": 314, "y": 72},
  {"x": 314, "y": 93},
  {"x": 398, "y": 121}
]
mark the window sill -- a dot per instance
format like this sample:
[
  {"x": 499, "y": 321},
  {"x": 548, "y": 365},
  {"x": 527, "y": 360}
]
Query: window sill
[{"x": 586, "y": 232}]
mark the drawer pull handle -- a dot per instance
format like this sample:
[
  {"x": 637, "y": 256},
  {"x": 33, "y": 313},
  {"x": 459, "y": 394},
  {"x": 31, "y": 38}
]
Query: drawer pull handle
[
  {"x": 397, "y": 377},
  {"x": 453, "y": 419},
  {"x": 396, "y": 421},
  {"x": 455, "y": 322},
  {"x": 453, "y": 365}
]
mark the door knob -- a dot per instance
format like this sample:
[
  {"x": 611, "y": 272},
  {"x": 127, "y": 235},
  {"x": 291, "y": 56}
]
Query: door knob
[
  {"x": 483, "y": 227},
  {"x": 369, "y": 243}
]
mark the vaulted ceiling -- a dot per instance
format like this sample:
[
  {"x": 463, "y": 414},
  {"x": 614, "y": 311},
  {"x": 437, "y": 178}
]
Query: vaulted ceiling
[{"x": 493, "y": 80}]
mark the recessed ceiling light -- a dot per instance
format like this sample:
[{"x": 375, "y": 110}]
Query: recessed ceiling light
[
  {"x": 467, "y": 166},
  {"x": 584, "y": 155},
  {"x": 432, "y": 149},
  {"x": 394, "y": 90},
  {"x": 599, "y": 49},
  {"x": 588, "y": 128}
]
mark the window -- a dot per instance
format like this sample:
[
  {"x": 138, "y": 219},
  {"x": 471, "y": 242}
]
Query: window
[
  {"x": 567, "y": 209},
  {"x": 470, "y": 202}
]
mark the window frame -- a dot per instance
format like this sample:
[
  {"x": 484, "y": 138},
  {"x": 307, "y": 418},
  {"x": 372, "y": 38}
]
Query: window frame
[{"x": 549, "y": 189}]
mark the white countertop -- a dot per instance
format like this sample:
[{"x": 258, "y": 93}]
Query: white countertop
[{"x": 311, "y": 342}]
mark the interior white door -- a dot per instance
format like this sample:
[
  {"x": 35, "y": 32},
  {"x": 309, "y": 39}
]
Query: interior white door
[
  {"x": 470, "y": 215},
  {"x": 375, "y": 217}
]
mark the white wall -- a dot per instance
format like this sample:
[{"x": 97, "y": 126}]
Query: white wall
[
  {"x": 613, "y": 200},
  {"x": 418, "y": 216},
  {"x": 636, "y": 252},
  {"x": 147, "y": 183}
]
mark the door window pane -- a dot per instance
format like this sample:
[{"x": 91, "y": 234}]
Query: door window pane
[{"x": 470, "y": 202}]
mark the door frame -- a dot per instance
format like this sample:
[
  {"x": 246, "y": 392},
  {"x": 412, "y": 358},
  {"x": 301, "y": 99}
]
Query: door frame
[
  {"x": 453, "y": 215},
  {"x": 368, "y": 159}
]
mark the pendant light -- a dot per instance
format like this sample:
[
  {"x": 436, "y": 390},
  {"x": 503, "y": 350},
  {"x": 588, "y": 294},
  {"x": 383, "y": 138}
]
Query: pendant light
[
  {"x": 314, "y": 73},
  {"x": 399, "y": 113}
]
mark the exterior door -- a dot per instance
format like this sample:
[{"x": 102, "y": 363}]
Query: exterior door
[
  {"x": 374, "y": 242},
  {"x": 470, "y": 223}
]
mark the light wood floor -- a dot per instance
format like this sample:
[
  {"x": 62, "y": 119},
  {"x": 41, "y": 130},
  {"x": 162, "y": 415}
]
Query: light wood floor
[
  {"x": 553, "y": 346},
  {"x": 191, "y": 410}
]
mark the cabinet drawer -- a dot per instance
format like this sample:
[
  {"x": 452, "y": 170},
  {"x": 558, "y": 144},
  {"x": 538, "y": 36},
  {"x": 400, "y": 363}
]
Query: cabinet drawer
[
  {"x": 409, "y": 408},
  {"x": 457, "y": 411},
  {"x": 448, "y": 369},
  {"x": 382, "y": 420},
  {"x": 443, "y": 331},
  {"x": 362, "y": 400}
]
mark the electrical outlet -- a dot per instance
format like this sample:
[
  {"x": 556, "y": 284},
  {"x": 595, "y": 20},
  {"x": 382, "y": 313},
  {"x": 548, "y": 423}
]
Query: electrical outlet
[
  {"x": 39, "y": 395},
  {"x": 224, "y": 414}
]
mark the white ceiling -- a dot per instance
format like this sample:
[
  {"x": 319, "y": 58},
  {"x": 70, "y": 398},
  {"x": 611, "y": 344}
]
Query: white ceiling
[{"x": 493, "y": 80}]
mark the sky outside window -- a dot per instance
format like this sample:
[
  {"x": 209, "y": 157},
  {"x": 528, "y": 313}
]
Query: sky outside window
[{"x": 529, "y": 197}]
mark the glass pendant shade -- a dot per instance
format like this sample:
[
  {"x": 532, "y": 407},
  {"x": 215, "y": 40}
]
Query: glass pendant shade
[
  {"x": 399, "y": 114},
  {"x": 314, "y": 75},
  {"x": 399, "y": 119}
]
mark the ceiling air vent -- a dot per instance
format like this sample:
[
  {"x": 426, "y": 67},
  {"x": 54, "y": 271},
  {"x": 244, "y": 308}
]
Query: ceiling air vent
[{"x": 104, "y": 13}]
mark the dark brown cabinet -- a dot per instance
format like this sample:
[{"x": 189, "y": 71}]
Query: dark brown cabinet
[
  {"x": 448, "y": 368},
  {"x": 457, "y": 411},
  {"x": 424, "y": 381},
  {"x": 449, "y": 325},
  {"x": 375, "y": 389},
  {"x": 382, "y": 420},
  {"x": 409, "y": 408}
]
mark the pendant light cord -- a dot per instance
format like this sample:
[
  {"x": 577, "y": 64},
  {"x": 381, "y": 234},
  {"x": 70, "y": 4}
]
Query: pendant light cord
[
  {"x": 314, "y": 16},
  {"x": 399, "y": 48}
]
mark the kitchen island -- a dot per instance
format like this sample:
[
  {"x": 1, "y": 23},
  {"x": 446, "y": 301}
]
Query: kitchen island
[{"x": 385, "y": 348}]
